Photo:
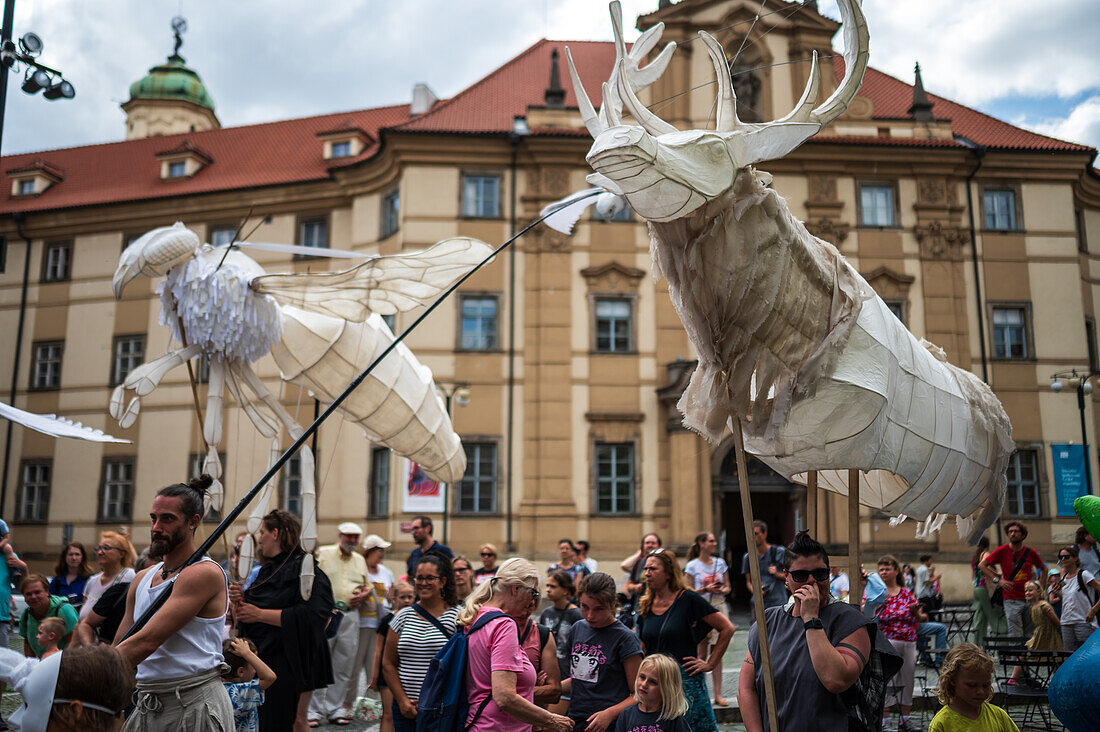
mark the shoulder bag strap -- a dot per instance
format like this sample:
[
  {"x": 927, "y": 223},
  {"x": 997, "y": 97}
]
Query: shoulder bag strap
[
  {"x": 525, "y": 632},
  {"x": 422, "y": 612}
]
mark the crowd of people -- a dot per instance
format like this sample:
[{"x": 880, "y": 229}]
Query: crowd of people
[{"x": 284, "y": 644}]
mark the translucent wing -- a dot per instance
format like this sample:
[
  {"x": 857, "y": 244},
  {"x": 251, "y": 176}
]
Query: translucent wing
[{"x": 384, "y": 285}]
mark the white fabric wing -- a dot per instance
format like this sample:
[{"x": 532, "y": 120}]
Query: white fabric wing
[
  {"x": 54, "y": 426},
  {"x": 384, "y": 285}
]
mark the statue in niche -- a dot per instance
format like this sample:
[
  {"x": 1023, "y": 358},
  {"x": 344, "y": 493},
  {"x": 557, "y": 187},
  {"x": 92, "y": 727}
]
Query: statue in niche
[{"x": 746, "y": 85}]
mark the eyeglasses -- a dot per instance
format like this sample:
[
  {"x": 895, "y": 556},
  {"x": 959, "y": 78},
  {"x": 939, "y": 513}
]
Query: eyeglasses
[
  {"x": 107, "y": 548},
  {"x": 425, "y": 579},
  {"x": 534, "y": 592},
  {"x": 803, "y": 575}
]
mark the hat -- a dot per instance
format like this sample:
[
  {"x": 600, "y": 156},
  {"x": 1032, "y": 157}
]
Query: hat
[
  {"x": 350, "y": 527},
  {"x": 374, "y": 541}
]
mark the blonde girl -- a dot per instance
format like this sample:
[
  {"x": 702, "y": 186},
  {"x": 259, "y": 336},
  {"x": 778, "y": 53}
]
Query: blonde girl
[
  {"x": 1046, "y": 636},
  {"x": 966, "y": 684},
  {"x": 660, "y": 704}
]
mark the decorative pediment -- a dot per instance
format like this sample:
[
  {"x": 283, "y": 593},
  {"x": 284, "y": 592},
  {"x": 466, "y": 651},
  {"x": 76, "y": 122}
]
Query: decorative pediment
[
  {"x": 613, "y": 277},
  {"x": 35, "y": 178},
  {"x": 888, "y": 283}
]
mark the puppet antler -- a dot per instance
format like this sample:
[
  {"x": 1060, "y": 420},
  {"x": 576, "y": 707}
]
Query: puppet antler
[{"x": 636, "y": 76}]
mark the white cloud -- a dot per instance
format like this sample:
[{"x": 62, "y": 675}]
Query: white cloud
[
  {"x": 276, "y": 59},
  {"x": 1082, "y": 125}
]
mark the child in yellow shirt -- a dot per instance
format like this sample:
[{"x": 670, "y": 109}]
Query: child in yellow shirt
[{"x": 966, "y": 683}]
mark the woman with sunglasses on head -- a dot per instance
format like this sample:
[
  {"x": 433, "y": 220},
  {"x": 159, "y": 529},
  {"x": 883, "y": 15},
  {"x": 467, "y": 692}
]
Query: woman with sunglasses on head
[
  {"x": 667, "y": 618},
  {"x": 488, "y": 567},
  {"x": 818, "y": 649},
  {"x": 115, "y": 567},
  {"x": 1079, "y": 608},
  {"x": 71, "y": 574},
  {"x": 899, "y": 617},
  {"x": 417, "y": 633},
  {"x": 500, "y": 677}
]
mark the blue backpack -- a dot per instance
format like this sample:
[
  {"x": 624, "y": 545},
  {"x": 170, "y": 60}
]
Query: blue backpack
[{"x": 443, "y": 703}]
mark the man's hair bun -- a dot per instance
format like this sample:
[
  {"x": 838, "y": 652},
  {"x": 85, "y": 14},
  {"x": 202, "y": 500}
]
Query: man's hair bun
[{"x": 201, "y": 484}]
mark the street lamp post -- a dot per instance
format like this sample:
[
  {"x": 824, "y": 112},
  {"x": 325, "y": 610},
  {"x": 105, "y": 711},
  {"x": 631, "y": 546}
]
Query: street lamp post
[
  {"x": 1080, "y": 381},
  {"x": 456, "y": 393}
]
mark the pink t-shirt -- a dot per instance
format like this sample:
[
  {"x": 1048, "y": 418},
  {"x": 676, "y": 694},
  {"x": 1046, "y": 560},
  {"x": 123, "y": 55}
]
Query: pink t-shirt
[{"x": 496, "y": 648}]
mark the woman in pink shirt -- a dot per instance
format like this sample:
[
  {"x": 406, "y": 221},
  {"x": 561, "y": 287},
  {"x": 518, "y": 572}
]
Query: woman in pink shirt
[{"x": 500, "y": 679}]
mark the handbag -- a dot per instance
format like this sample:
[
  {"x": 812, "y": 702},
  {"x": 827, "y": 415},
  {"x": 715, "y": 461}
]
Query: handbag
[
  {"x": 332, "y": 627},
  {"x": 997, "y": 599}
]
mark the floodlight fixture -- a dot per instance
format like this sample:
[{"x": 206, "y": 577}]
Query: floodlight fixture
[
  {"x": 36, "y": 79},
  {"x": 31, "y": 44},
  {"x": 60, "y": 90}
]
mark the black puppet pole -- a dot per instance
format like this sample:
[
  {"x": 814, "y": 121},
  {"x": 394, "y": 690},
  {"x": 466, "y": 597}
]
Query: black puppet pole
[{"x": 230, "y": 517}]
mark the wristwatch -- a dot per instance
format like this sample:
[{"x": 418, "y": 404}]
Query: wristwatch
[{"x": 814, "y": 623}]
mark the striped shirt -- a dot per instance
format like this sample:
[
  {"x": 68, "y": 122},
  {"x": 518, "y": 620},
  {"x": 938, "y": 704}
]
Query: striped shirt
[{"x": 417, "y": 645}]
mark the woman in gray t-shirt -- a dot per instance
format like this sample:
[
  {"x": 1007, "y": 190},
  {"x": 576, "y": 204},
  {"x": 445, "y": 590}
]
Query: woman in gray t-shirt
[{"x": 818, "y": 649}]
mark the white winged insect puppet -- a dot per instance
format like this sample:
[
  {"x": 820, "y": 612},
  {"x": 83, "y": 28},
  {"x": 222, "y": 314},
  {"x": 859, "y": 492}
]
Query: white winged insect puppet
[
  {"x": 792, "y": 342},
  {"x": 322, "y": 329}
]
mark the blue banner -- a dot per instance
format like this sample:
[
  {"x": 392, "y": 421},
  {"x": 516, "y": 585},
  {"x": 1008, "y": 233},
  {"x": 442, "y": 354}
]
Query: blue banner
[{"x": 1069, "y": 476}]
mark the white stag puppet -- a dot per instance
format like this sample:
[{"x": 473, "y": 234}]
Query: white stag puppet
[
  {"x": 791, "y": 341},
  {"x": 322, "y": 329}
]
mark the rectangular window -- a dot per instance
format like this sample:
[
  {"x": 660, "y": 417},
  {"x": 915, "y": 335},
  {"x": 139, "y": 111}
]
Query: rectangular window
[
  {"x": 118, "y": 490},
  {"x": 313, "y": 233},
  {"x": 380, "y": 481},
  {"x": 222, "y": 236},
  {"x": 477, "y": 491},
  {"x": 1090, "y": 344},
  {"x": 1079, "y": 225},
  {"x": 46, "y": 369},
  {"x": 129, "y": 353},
  {"x": 481, "y": 196},
  {"x": 341, "y": 149},
  {"x": 1010, "y": 332},
  {"x": 177, "y": 169},
  {"x": 55, "y": 266},
  {"x": 196, "y": 462},
  {"x": 876, "y": 205},
  {"x": 1023, "y": 483},
  {"x": 479, "y": 323},
  {"x": 897, "y": 307},
  {"x": 1000, "y": 209},
  {"x": 613, "y": 325},
  {"x": 614, "y": 477},
  {"x": 292, "y": 486},
  {"x": 26, "y": 187},
  {"x": 391, "y": 207},
  {"x": 34, "y": 492}
]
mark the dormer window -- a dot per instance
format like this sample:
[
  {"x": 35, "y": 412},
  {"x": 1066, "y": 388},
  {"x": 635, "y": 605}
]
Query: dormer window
[
  {"x": 343, "y": 142},
  {"x": 341, "y": 149},
  {"x": 182, "y": 162},
  {"x": 34, "y": 179}
]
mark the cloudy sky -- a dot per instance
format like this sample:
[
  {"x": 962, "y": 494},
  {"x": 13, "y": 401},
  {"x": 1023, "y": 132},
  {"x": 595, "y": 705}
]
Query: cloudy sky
[{"x": 1033, "y": 64}]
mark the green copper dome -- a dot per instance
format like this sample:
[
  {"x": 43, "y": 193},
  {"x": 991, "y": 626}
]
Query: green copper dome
[{"x": 172, "y": 80}]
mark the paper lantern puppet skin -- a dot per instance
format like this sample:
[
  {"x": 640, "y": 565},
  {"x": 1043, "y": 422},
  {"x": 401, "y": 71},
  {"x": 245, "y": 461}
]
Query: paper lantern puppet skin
[
  {"x": 791, "y": 340},
  {"x": 322, "y": 330}
]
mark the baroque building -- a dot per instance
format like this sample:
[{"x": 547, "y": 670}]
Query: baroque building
[{"x": 975, "y": 232}]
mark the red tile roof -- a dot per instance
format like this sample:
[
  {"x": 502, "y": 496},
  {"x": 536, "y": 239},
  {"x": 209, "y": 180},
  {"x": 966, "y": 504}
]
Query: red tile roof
[{"x": 288, "y": 151}]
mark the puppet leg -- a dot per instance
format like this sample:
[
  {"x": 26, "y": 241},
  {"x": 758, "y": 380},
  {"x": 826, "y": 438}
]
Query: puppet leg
[{"x": 143, "y": 380}]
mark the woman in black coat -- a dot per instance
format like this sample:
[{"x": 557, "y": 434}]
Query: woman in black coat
[{"x": 289, "y": 632}]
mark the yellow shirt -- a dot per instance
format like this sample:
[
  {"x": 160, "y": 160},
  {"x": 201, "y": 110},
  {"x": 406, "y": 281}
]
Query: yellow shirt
[
  {"x": 991, "y": 719},
  {"x": 346, "y": 573}
]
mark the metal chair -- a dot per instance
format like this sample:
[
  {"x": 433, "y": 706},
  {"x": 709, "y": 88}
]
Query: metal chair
[{"x": 1025, "y": 699}]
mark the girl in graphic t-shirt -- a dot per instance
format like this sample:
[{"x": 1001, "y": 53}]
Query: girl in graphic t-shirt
[
  {"x": 604, "y": 658},
  {"x": 659, "y": 694}
]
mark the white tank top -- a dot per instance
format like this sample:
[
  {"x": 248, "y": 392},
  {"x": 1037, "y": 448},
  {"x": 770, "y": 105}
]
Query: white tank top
[{"x": 195, "y": 647}]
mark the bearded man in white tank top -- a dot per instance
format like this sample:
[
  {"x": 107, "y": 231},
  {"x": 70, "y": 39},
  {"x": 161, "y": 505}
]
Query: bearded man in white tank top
[{"x": 179, "y": 651}]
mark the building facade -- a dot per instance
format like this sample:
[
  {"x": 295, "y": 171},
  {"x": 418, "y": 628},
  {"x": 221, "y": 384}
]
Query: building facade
[{"x": 975, "y": 232}]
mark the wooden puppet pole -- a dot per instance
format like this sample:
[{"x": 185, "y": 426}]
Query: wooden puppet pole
[
  {"x": 811, "y": 503},
  {"x": 854, "y": 595},
  {"x": 754, "y": 574}
]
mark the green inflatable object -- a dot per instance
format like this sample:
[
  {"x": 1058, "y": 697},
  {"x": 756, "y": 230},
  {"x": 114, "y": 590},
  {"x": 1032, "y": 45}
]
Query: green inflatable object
[{"x": 1087, "y": 509}]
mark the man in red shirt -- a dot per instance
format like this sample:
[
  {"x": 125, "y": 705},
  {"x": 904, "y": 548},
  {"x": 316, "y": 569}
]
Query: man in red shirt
[{"x": 1018, "y": 564}]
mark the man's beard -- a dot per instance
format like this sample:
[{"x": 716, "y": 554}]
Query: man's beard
[{"x": 164, "y": 544}]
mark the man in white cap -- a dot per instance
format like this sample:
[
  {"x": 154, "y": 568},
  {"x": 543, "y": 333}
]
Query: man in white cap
[{"x": 347, "y": 570}]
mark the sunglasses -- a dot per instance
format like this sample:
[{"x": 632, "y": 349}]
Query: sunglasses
[
  {"x": 1064, "y": 557},
  {"x": 107, "y": 548},
  {"x": 488, "y": 554},
  {"x": 803, "y": 575}
]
